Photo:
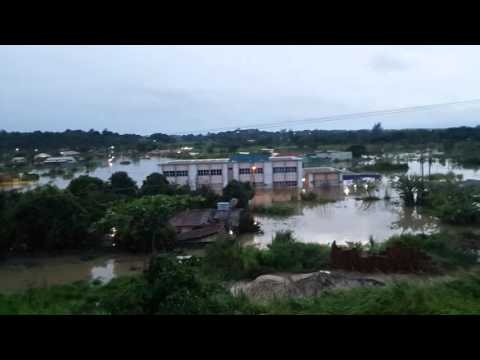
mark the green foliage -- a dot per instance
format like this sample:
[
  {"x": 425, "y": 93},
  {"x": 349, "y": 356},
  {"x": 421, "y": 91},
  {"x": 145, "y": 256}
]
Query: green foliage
[
  {"x": 458, "y": 296},
  {"x": 93, "y": 194},
  {"x": 238, "y": 190},
  {"x": 446, "y": 250},
  {"x": 210, "y": 196},
  {"x": 247, "y": 223},
  {"x": 308, "y": 196},
  {"x": 411, "y": 189},
  {"x": 232, "y": 261},
  {"x": 357, "y": 150},
  {"x": 276, "y": 209},
  {"x": 142, "y": 224},
  {"x": 174, "y": 288},
  {"x": 455, "y": 204},
  {"x": 155, "y": 184},
  {"x": 122, "y": 184},
  {"x": 46, "y": 219}
]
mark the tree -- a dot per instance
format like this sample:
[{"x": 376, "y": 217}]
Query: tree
[
  {"x": 122, "y": 184},
  {"x": 411, "y": 190},
  {"x": 93, "y": 194},
  {"x": 357, "y": 150},
  {"x": 155, "y": 184},
  {"x": 377, "y": 128},
  {"x": 142, "y": 224},
  {"x": 247, "y": 223},
  {"x": 210, "y": 196},
  {"x": 238, "y": 190},
  {"x": 47, "y": 219}
]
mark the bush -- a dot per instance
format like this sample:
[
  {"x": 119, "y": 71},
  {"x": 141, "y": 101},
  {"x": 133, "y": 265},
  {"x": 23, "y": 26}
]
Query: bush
[
  {"x": 232, "y": 261},
  {"x": 47, "y": 219},
  {"x": 276, "y": 209},
  {"x": 445, "y": 249}
]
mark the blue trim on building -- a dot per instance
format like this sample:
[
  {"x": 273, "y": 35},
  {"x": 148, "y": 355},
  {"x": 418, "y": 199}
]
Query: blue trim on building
[{"x": 249, "y": 158}]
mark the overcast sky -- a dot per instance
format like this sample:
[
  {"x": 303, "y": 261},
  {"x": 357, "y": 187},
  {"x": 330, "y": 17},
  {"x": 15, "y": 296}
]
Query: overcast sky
[{"x": 171, "y": 89}]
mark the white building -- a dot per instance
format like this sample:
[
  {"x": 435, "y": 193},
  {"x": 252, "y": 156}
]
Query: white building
[
  {"x": 60, "y": 160},
  {"x": 259, "y": 170},
  {"x": 69, "y": 153}
]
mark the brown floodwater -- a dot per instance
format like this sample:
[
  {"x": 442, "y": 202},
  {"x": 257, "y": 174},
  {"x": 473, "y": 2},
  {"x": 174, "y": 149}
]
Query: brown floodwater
[
  {"x": 345, "y": 220},
  {"x": 20, "y": 274}
]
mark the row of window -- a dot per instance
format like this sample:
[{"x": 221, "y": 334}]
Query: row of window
[
  {"x": 287, "y": 169},
  {"x": 284, "y": 183},
  {"x": 247, "y": 171},
  {"x": 175, "y": 173},
  {"x": 209, "y": 172}
]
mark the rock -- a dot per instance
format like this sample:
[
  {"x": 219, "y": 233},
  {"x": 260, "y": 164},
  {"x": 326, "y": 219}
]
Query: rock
[{"x": 268, "y": 287}]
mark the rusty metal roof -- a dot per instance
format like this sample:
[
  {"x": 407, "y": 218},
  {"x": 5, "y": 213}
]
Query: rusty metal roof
[{"x": 195, "y": 217}]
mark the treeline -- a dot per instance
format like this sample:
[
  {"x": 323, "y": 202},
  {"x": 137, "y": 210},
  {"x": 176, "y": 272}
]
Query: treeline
[
  {"x": 78, "y": 140},
  {"x": 232, "y": 140},
  {"x": 90, "y": 213}
]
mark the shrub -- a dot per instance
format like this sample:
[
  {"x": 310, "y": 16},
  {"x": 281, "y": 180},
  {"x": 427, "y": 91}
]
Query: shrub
[{"x": 276, "y": 209}]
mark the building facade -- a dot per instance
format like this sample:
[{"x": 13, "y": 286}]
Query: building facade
[
  {"x": 260, "y": 170},
  {"x": 322, "y": 176}
]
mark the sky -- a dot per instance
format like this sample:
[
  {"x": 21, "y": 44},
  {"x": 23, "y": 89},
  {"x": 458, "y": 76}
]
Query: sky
[{"x": 178, "y": 89}]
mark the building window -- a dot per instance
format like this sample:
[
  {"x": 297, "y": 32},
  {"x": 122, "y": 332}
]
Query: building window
[
  {"x": 203, "y": 172},
  {"x": 290, "y": 169},
  {"x": 216, "y": 172},
  {"x": 259, "y": 171},
  {"x": 209, "y": 172},
  {"x": 284, "y": 183},
  {"x": 181, "y": 173},
  {"x": 175, "y": 173},
  {"x": 244, "y": 171}
]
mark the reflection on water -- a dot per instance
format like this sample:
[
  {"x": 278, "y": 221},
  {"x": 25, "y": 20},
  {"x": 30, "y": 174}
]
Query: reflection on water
[
  {"x": 137, "y": 169},
  {"x": 347, "y": 220},
  {"x": 23, "y": 274}
]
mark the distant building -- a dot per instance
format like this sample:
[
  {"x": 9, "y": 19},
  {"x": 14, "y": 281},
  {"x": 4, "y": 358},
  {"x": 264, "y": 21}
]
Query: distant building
[
  {"x": 41, "y": 157},
  {"x": 332, "y": 155},
  {"x": 200, "y": 223},
  {"x": 19, "y": 160},
  {"x": 60, "y": 160},
  {"x": 322, "y": 176},
  {"x": 69, "y": 153},
  {"x": 260, "y": 170}
]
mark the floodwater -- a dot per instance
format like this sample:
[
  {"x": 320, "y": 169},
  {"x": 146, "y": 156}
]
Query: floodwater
[
  {"x": 345, "y": 220},
  {"x": 20, "y": 274},
  {"x": 138, "y": 170}
]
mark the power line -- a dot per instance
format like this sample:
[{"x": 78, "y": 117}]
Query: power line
[{"x": 339, "y": 117}]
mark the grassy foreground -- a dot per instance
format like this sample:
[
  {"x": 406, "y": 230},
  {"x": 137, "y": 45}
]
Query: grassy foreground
[
  {"x": 195, "y": 286},
  {"x": 456, "y": 296}
]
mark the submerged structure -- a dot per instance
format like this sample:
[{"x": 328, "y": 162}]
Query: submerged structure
[{"x": 261, "y": 171}]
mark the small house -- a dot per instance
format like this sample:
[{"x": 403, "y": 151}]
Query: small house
[
  {"x": 19, "y": 160},
  {"x": 60, "y": 160}
]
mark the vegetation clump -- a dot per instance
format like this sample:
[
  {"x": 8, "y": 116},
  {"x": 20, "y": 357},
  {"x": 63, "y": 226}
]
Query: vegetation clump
[{"x": 276, "y": 209}]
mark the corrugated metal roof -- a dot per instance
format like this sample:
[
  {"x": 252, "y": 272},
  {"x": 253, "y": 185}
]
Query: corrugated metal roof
[{"x": 195, "y": 217}]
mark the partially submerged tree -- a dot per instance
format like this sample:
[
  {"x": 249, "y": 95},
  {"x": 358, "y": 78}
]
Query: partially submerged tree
[
  {"x": 239, "y": 190},
  {"x": 142, "y": 224}
]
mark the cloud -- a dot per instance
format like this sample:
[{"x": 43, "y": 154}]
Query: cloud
[{"x": 388, "y": 63}]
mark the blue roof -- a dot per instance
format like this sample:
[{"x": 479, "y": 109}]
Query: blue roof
[{"x": 249, "y": 157}]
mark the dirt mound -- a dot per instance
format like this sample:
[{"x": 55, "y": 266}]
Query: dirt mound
[{"x": 267, "y": 287}]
